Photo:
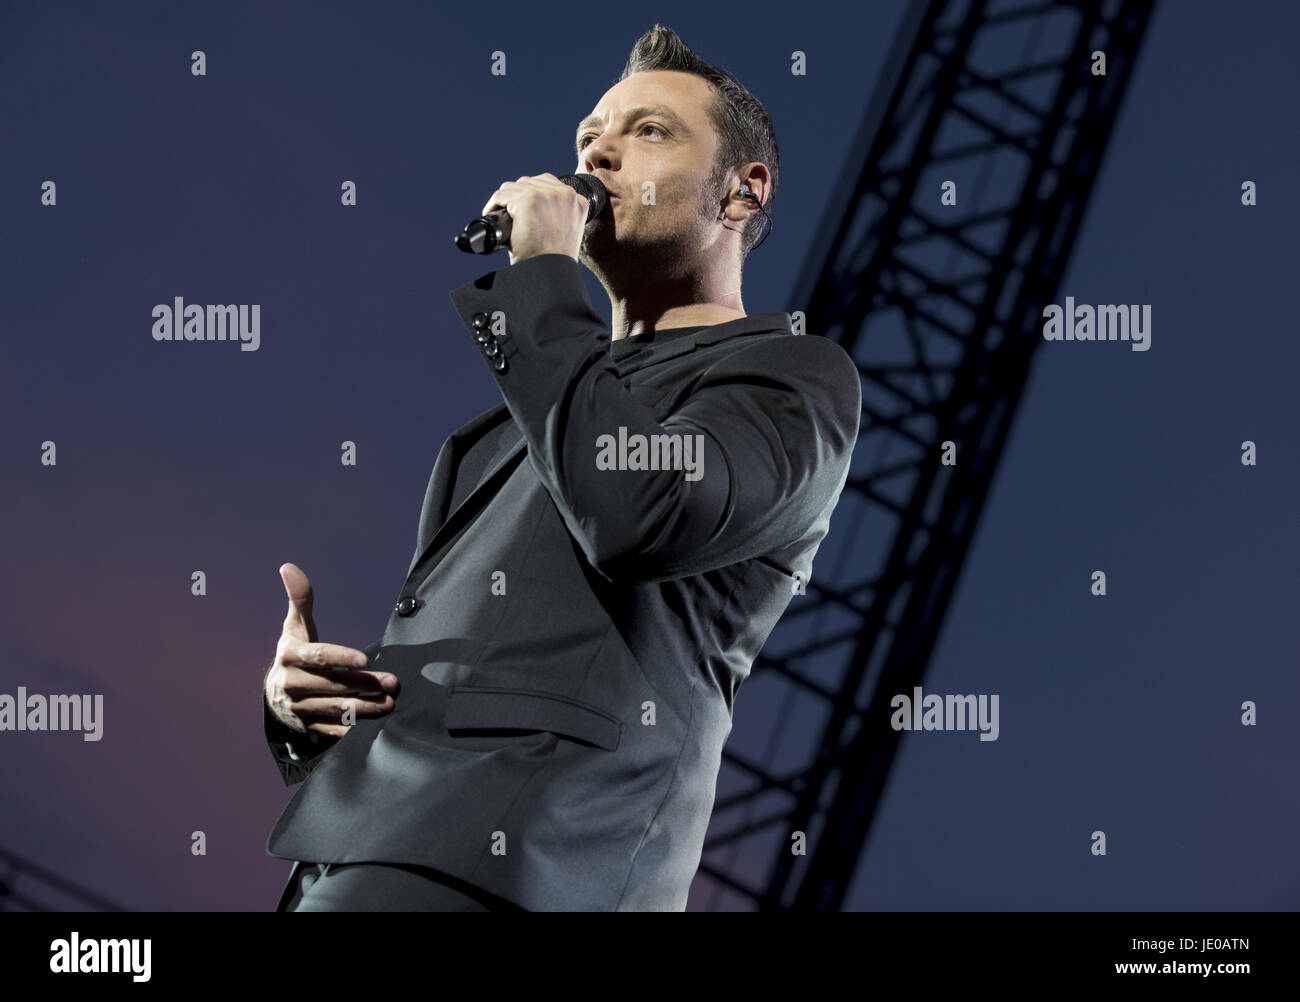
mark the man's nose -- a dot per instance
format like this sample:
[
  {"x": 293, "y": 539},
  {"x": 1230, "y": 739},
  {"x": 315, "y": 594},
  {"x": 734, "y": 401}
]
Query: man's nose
[{"x": 597, "y": 154}]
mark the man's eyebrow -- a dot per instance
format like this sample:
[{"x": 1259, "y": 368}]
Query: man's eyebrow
[{"x": 633, "y": 114}]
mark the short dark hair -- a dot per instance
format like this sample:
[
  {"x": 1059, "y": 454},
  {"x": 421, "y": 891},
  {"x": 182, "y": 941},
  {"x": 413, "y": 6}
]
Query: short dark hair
[{"x": 745, "y": 132}]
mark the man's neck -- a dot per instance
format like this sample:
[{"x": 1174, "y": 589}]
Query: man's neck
[
  {"x": 654, "y": 319},
  {"x": 693, "y": 302}
]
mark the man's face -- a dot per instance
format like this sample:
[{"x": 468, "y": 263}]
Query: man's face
[{"x": 652, "y": 127}]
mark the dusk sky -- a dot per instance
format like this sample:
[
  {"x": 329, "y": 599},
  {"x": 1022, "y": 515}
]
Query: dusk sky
[{"x": 1121, "y": 713}]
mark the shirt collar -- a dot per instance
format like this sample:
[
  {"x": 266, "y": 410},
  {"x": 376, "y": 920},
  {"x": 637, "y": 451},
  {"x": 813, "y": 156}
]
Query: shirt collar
[{"x": 640, "y": 350}]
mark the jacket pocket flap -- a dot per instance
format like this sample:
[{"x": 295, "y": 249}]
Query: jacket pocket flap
[{"x": 483, "y": 707}]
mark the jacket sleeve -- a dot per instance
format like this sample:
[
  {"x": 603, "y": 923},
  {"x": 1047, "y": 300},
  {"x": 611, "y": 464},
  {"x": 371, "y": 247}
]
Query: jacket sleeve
[
  {"x": 296, "y": 754},
  {"x": 776, "y": 420}
]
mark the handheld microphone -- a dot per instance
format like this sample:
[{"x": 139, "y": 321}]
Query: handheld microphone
[{"x": 492, "y": 231}]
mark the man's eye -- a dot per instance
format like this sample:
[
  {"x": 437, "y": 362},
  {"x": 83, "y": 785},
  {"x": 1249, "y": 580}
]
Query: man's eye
[{"x": 582, "y": 142}]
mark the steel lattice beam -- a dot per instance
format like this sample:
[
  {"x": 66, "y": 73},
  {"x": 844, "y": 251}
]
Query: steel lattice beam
[
  {"x": 27, "y": 887},
  {"x": 940, "y": 306}
]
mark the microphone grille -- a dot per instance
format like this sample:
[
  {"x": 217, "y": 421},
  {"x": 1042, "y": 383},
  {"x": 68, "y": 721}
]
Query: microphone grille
[{"x": 590, "y": 188}]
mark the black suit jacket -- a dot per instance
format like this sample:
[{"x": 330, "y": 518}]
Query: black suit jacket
[{"x": 570, "y": 639}]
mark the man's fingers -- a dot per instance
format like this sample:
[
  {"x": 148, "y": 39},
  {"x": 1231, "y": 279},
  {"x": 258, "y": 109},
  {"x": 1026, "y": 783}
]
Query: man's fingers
[
  {"x": 538, "y": 182},
  {"x": 299, "y": 683},
  {"x": 305, "y": 654},
  {"x": 298, "y": 621},
  {"x": 331, "y": 730},
  {"x": 313, "y": 683},
  {"x": 330, "y": 709},
  {"x": 493, "y": 201}
]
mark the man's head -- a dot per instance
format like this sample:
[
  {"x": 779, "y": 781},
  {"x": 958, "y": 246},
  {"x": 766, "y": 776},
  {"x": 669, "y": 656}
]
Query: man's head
[{"x": 697, "y": 135}]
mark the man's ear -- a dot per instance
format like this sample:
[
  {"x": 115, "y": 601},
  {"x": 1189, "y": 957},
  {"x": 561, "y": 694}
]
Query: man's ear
[
  {"x": 734, "y": 198},
  {"x": 756, "y": 178}
]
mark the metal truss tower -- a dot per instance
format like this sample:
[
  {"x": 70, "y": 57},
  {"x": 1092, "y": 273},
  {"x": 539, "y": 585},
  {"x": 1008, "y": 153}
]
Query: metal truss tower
[
  {"x": 26, "y": 887},
  {"x": 940, "y": 306}
]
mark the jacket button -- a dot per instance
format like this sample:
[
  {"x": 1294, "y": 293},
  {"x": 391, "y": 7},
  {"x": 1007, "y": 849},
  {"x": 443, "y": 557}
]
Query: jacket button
[
  {"x": 490, "y": 349},
  {"x": 407, "y": 605},
  {"x": 479, "y": 320},
  {"x": 482, "y": 336},
  {"x": 499, "y": 363}
]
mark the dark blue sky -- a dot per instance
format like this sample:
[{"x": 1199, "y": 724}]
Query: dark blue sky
[{"x": 1119, "y": 713}]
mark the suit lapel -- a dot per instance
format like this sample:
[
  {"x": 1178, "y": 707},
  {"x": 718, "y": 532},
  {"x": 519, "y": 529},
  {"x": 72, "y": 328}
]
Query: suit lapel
[{"x": 436, "y": 530}]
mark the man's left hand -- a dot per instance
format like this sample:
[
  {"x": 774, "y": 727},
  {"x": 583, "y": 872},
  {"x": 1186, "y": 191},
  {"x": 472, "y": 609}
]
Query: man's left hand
[{"x": 546, "y": 216}]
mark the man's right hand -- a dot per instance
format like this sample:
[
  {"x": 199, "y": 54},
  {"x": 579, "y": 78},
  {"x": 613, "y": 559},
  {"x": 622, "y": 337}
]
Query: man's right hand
[{"x": 309, "y": 685}]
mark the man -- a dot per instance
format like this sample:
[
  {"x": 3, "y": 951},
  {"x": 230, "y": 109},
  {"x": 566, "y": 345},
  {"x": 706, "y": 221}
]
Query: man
[{"x": 600, "y": 557}]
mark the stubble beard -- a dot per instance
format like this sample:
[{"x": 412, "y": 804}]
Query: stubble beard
[{"x": 662, "y": 257}]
